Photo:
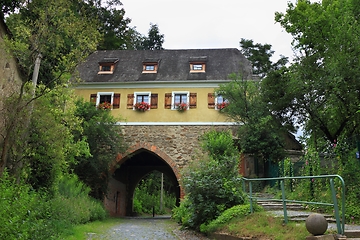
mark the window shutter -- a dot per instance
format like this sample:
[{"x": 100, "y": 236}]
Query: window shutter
[
  {"x": 167, "y": 100},
  {"x": 130, "y": 101},
  {"x": 192, "y": 100},
  {"x": 211, "y": 100},
  {"x": 93, "y": 98},
  {"x": 154, "y": 101},
  {"x": 116, "y": 100}
]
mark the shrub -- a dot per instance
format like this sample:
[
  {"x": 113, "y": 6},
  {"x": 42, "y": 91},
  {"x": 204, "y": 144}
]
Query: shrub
[
  {"x": 72, "y": 202},
  {"x": 212, "y": 183},
  {"x": 25, "y": 214},
  {"x": 183, "y": 214},
  {"x": 238, "y": 211}
]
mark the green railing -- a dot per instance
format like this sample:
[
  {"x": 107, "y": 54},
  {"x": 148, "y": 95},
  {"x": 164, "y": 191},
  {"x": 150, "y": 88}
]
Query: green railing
[{"x": 340, "y": 224}]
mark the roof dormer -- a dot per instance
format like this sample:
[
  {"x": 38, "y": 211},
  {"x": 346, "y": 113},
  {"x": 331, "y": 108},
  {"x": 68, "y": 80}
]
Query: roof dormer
[
  {"x": 198, "y": 64},
  {"x": 150, "y": 65},
  {"x": 107, "y": 65}
]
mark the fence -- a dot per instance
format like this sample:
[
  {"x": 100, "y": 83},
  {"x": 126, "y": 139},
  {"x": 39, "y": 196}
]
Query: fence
[{"x": 340, "y": 224}]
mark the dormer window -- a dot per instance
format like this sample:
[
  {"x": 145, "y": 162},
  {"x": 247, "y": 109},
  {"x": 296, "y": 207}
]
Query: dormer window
[
  {"x": 105, "y": 68},
  {"x": 197, "y": 64},
  {"x": 150, "y": 66},
  {"x": 107, "y": 65}
]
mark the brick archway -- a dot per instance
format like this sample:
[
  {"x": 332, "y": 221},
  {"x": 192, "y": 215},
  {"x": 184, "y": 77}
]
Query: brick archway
[
  {"x": 152, "y": 148},
  {"x": 127, "y": 190}
]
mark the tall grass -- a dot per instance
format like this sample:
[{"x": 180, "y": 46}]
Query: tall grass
[{"x": 28, "y": 214}]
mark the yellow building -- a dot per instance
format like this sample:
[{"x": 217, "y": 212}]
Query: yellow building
[
  {"x": 146, "y": 90},
  {"x": 163, "y": 79}
]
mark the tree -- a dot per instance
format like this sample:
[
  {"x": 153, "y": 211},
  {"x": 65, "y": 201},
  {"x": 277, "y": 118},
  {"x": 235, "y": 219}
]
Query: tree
[
  {"x": 105, "y": 143},
  {"x": 114, "y": 27},
  {"x": 59, "y": 35},
  {"x": 320, "y": 88},
  {"x": 9, "y": 6},
  {"x": 154, "y": 40},
  {"x": 260, "y": 57},
  {"x": 52, "y": 146},
  {"x": 260, "y": 132}
]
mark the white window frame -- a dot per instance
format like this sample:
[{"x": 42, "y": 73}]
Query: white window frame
[
  {"x": 173, "y": 107},
  {"x": 142, "y": 94},
  {"x": 104, "y": 93},
  {"x": 216, "y": 100}
]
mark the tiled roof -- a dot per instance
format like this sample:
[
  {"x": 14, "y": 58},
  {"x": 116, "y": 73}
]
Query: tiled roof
[{"x": 173, "y": 65}]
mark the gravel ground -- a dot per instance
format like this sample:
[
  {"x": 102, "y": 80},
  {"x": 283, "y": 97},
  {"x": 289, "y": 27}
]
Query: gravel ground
[{"x": 147, "y": 229}]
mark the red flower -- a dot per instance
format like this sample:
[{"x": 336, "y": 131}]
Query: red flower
[
  {"x": 222, "y": 105},
  {"x": 142, "y": 106},
  {"x": 104, "y": 105},
  {"x": 181, "y": 106}
]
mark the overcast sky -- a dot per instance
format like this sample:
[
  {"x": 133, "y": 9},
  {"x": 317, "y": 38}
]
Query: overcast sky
[{"x": 189, "y": 24}]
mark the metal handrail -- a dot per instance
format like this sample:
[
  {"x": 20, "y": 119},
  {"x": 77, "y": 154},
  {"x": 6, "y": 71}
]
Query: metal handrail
[{"x": 340, "y": 225}]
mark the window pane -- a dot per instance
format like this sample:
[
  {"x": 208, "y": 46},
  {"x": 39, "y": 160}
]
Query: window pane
[
  {"x": 142, "y": 98},
  {"x": 180, "y": 98},
  {"x": 183, "y": 98},
  {"x": 177, "y": 98},
  {"x": 150, "y": 67},
  {"x": 197, "y": 67},
  {"x": 105, "y": 98},
  {"x": 106, "y": 68}
]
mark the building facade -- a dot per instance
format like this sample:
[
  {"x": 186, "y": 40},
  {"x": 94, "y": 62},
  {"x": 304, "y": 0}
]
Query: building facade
[{"x": 165, "y": 100}]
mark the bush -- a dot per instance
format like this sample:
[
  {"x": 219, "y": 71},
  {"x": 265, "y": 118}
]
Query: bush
[
  {"x": 349, "y": 169},
  {"x": 183, "y": 214},
  {"x": 238, "y": 211},
  {"x": 72, "y": 202},
  {"x": 28, "y": 214},
  {"x": 212, "y": 183},
  {"x": 25, "y": 214}
]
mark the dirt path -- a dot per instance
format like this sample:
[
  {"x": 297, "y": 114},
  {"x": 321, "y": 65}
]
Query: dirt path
[{"x": 147, "y": 229}]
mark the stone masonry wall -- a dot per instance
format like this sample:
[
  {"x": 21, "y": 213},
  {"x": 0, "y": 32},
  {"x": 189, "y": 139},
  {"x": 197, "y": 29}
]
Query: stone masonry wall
[{"x": 178, "y": 142}]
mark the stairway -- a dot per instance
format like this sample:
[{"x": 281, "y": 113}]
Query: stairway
[{"x": 297, "y": 212}]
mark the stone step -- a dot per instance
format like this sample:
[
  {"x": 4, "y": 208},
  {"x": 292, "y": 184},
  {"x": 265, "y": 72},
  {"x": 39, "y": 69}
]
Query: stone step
[
  {"x": 352, "y": 234},
  {"x": 277, "y": 205}
]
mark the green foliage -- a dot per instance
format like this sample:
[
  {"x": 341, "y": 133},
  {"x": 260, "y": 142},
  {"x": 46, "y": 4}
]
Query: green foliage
[
  {"x": 52, "y": 147},
  {"x": 27, "y": 214},
  {"x": 259, "y": 55},
  {"x": 183, "y": 213},
  {"x": 349, "y": 169},
  {"x": 212, "y": 183},
  {"x": 9, "y": 5},
  {"x": 239, "y": 211},
  {"x": 219, "y": 144},
  {"x": 154, "y": 40},
  {"x": 317, "y": 88},
  {"x": 59, "y": 30},
  {"x": 260, "y": 132},
  {"x": 147, "y": 194},
  {"x": 105, "y": 142}
]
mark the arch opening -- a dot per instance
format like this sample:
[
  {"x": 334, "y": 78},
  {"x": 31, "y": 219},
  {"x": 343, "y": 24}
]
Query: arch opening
[
  {"x": 127, "y": 175},
  {"x": 155, "y": 194}
]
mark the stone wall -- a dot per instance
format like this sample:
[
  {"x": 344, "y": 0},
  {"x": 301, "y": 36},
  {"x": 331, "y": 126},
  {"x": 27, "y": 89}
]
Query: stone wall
[{"x": 180, "y": 143}]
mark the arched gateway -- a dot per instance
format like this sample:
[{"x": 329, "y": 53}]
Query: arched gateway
[{"x": 128, "y": 169}]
